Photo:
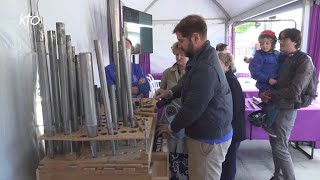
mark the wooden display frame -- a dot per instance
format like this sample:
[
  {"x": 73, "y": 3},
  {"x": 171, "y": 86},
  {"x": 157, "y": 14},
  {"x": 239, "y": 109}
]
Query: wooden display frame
[{"x": 134, "y": 159}]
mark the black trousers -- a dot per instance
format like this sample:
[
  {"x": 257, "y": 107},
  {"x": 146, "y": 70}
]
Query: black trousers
[{"x": 229, "y": 166}]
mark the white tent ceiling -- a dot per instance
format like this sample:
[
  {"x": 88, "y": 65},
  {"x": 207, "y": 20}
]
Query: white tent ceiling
[
  {"x": 209, "y": 9},
  {"x": 218, "y": 14}
]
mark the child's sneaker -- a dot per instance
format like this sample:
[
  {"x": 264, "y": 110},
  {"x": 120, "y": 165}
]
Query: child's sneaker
[{"x": 270, "y": 131}]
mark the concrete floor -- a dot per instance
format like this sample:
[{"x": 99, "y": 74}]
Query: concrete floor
[{"x": 254, "y": 162}]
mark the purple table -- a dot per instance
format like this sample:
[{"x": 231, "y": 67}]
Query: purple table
[
  {"x": 249, "y": 93},
  {"x": 306, "y": 128}
]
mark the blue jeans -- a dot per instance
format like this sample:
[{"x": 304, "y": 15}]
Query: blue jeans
[{"x": 272, "y": 111}]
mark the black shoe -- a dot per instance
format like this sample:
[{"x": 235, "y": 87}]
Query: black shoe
[{"x": 270, "y": 131}]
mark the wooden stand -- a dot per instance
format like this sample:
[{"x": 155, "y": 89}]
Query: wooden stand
[
  {"x": 134, "y": 158},
  {"x": 144, "y": 104}
]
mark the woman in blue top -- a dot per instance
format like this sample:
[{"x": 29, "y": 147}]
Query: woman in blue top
[{"x": 138, "y": 78}]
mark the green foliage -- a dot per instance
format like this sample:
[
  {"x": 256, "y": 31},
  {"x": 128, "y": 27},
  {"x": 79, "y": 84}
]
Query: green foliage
[{"x": 244, "y": 27}]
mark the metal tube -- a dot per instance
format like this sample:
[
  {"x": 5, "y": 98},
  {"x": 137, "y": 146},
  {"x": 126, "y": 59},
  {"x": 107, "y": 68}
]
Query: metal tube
[
  {"x": 127, "y": 82},
  {"x": 79, "y": 90},
  {"x": 118, "y": 89},
  {"x": 114, "y": 29},
  {"x": 88, "y": 97},
  {"x": 72, "y": 85},
  {"x": 54, "y": 70},
  {"x": 64, "y": 81},
  {"x": 49, "y": 68},
  {"x": 44, "y": 86},
  {"x": 113, "y": 106},
  {"x": 128, "y": 56},
  {"x": 129, "y": 85},
  {"x": 74, "y": 101},
  {"x": 55, "y": 87},
  {"x": 104, "y": 90},
  {"x": 123, "y": 90},
  {"x": 96, "y": 96}
]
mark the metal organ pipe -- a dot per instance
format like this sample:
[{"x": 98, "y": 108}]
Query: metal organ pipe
[
  {"x": 64, "y": 80},
  {"x": 54, "y": 71},
  {"x": 89, "y": 98},
  {"x": 104, "y": 90},
  {"x": 72, "y": 84},
  {"x": 44, "y": 86}
]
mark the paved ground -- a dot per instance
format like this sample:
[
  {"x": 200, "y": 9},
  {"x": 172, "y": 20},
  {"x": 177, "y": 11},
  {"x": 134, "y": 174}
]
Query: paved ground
[{"x": 255, "y": 162}]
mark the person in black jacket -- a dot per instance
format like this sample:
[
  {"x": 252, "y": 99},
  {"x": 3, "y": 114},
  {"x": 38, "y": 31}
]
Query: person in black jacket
[
  {"x": 206, "y": 111},
  {"x": 229, "y": 166}
]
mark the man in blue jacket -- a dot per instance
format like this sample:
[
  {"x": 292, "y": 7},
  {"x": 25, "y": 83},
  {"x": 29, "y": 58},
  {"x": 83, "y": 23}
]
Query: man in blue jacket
[{"x": 206, "y": 111}]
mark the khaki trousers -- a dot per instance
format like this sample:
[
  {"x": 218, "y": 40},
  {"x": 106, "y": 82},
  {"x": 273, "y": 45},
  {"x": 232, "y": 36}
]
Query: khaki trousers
[{"x": 205, "y": 160}]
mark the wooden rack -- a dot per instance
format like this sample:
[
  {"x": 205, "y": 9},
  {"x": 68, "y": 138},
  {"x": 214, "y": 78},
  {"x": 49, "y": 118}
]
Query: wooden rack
[{"x": 134, "y": 158}]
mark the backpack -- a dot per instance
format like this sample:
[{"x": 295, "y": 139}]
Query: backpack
[{"x": 309, "y": 93}]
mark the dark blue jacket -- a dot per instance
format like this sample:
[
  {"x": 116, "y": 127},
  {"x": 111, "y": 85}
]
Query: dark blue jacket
[
  {"x": 263, "y": 66},
  {"x": 206, "y": 111}
]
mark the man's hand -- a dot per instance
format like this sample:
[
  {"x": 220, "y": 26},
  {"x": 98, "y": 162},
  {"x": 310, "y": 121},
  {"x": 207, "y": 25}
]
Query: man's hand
[
  {"x": 265, "y": 96},
  {"x": 272, "y": 81},
  {"x": 161, "y": 93},
  {"x": 162, "y": 129}
]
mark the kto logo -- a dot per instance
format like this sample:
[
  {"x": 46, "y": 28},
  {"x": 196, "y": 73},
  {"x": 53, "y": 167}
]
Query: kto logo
[{"x": 26, "y": 20}]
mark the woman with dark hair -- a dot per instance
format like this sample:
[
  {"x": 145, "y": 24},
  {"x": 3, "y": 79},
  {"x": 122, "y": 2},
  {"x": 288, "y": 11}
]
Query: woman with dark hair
[{"x": 221, "y": 47}]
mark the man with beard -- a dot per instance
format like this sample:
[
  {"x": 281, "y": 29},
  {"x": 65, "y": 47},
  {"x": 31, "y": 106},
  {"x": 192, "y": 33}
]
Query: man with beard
[{"x": 206, "y": 110}]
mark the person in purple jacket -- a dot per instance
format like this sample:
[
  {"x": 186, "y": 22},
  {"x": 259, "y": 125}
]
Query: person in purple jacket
[{"x": 264, "y": 68}]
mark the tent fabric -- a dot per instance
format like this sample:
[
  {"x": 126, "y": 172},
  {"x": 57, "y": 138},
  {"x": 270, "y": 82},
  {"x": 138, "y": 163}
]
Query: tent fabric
[
  {"x": 162, "y": 56},
  {"x": 144, "y": 61},
  {"x": 84, "y": 20},
  {"x": 179, "y": 8},
  {"x": 166, "y": 14},
  {"x": 19, "y": 155},
  {"x": 314, "y": 37}
]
